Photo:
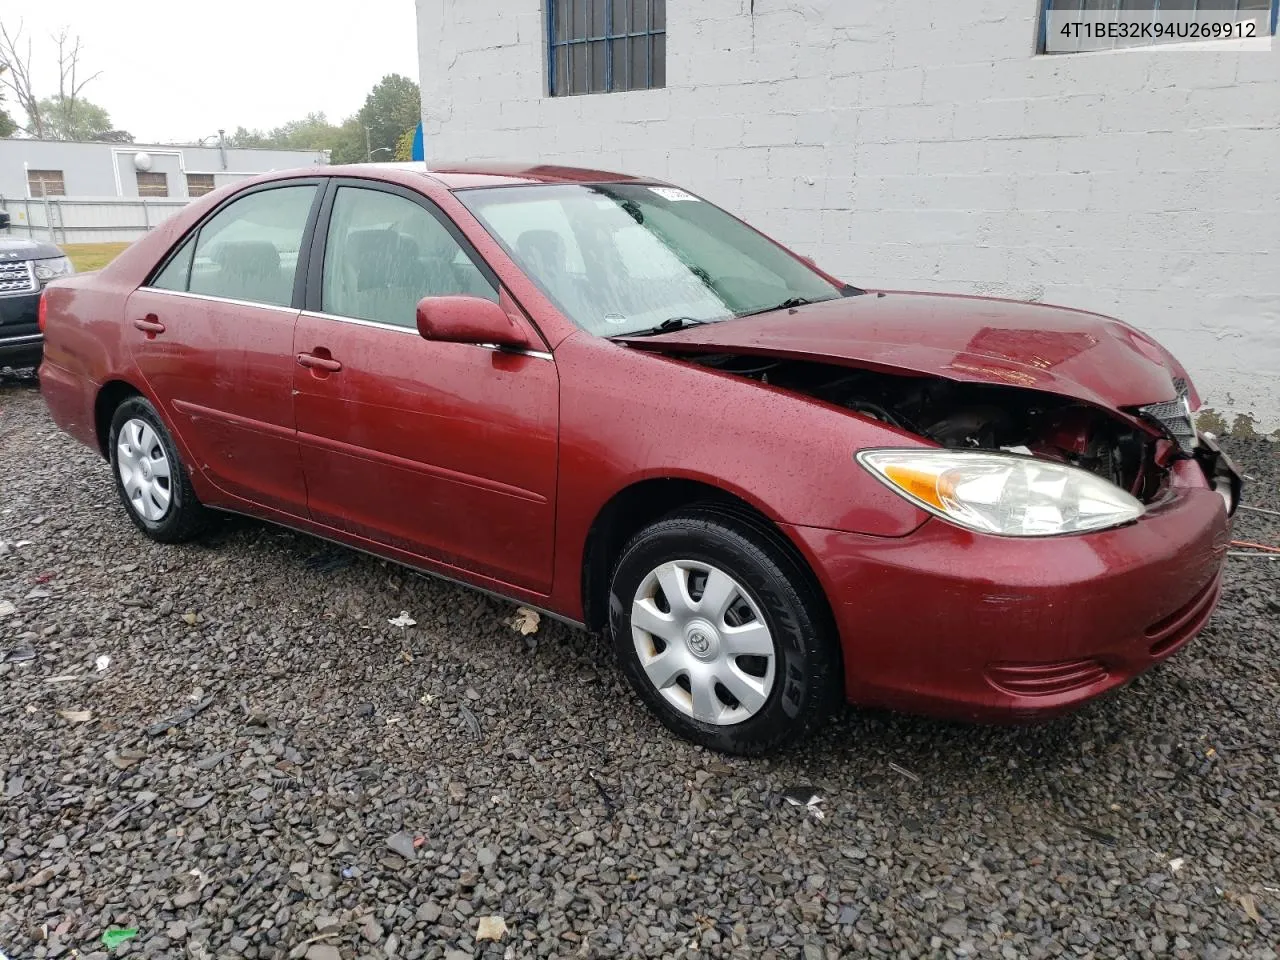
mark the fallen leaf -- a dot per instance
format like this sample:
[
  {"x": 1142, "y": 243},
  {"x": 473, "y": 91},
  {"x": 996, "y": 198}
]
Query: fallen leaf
[
  {"x": 76, "y": 716},
  {"x": 472, "y": 722},
  {"x": 406, "y": 656},
  {"x": 1176, "y": 864},
  {"x": 1249, "y": 907},
  {"x": 526, "y": 621},
  {"x": 404, "y": 620},
  {"x": 182, "y": 716},
  {"x": 491, "y": 928},
  {"x": 190, "y": 619},
  {"x": 126, "y": 758},
  {"x": 38, "y": 879}
]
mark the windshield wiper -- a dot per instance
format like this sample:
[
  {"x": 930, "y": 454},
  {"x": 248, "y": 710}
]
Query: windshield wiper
[
  {"x": 667, "y": 326},
  {"x": 784, "y": 305}
]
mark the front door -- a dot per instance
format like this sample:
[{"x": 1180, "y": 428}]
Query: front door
[
  {"x": 446, "y": 451},
  {"x": 212, "y": 335}
]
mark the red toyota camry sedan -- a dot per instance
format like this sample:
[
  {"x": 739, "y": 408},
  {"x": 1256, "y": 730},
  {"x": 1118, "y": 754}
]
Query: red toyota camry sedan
[{"x": 607, "y": 398}]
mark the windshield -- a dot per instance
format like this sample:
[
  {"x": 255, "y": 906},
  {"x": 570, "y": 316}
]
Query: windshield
[{"x": 622, "y": 258}]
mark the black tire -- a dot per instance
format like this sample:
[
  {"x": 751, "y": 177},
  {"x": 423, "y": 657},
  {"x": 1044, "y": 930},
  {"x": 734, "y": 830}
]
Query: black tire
[
  {"x": 808, "y": 671},
  {"x": 185, "y": 518}
]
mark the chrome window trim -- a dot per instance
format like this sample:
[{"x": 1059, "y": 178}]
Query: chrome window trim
[
  {"x": 25, "y": 338},
  {"x": 536, "y": 354},
  {"x": 383, "y": 325},
  {"x": 361, "y": 322},
  {"x": 376, "y": 324},
  {"x": 212, "y": 299}
]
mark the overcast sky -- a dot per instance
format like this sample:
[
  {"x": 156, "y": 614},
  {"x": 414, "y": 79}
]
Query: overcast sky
[{"x": 179, "y": 71}]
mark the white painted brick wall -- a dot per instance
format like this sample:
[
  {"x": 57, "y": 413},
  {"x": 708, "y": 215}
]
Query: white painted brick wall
[{"x": 922, "y": 144}]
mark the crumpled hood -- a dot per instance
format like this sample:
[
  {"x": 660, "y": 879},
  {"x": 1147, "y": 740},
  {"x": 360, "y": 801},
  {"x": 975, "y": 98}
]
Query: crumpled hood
[{"x": 976, "y": 339}]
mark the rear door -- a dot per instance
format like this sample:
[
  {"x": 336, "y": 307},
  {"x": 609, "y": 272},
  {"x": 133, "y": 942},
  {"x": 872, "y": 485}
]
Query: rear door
[
  {"x": 212, "y": 334},
  {"x": 444, "y": 450}
]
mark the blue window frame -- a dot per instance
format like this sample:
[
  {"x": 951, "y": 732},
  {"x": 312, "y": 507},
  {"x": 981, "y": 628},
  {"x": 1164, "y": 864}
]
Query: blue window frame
[
  {"x": 605, "y": 46},
  {"x": 1096, "y": 10}
]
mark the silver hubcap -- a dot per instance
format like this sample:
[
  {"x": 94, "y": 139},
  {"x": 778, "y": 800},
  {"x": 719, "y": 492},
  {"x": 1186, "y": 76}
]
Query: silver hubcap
[
  {"x": 144, "y": 470},
  {"x": 703, "y": 642}
]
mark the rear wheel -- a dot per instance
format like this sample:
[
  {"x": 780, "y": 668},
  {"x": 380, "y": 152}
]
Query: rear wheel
[
  {"x": 722, "y": 634},
  {"x": 151, "y": 481}
]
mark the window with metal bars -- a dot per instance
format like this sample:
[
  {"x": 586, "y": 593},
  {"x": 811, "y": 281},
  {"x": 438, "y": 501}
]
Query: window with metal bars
[
  {"x": 46, "y": 183},
  {"x": 152, "y": 184},
  {"x": 1131, "y": 11},
  {"x": 198, "y": 184},
  {"x": 605, "y": 46}
]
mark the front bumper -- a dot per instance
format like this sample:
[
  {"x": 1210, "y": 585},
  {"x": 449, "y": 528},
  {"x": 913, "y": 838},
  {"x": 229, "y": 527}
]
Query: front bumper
[
  {"x": 969, "y": 626},
  {"x": 21, "y": 342}
]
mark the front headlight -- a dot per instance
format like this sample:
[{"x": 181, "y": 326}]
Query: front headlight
[
  {"x": 1003, "y": 494},
  {"x": 53, "y": 268}
]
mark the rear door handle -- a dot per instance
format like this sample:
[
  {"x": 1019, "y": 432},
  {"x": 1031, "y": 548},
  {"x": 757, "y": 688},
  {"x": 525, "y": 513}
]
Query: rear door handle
[
  {"x": 319, "y": 363},
  {"x": 150, "y": 325}
]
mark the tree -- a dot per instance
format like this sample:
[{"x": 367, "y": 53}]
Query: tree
[
  {"x": 404, "y": 146},
  {"x": 67, "y": 119},
  {"x": 16, "y": 76},
  {"x": 7, "y": 126},
  {"x": 348, "y": 143},
  {"x": 69, "y": 85},
  {"x": 392, "y": 106},
  {"x": 243, "y": 138}
]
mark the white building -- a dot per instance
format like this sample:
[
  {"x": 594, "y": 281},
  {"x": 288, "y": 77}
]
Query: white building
[
  {"x": 916, "y": 143},
  {"x": 96, "y": 190}
]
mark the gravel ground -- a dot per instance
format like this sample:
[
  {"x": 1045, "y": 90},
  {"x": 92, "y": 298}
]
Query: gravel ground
[{"x": 357, "y": 789}]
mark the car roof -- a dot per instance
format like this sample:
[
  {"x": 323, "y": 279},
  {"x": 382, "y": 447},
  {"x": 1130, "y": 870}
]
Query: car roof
[{"x": 461, "y": 176}]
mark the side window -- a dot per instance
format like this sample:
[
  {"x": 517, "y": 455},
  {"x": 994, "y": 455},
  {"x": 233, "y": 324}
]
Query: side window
[
  {"x": 177, "y": 272},
  {"x": 385, "y": 253},
  {"x": 249, "y": 249}
]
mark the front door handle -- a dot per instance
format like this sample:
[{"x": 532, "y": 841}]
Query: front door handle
[
  {"x": 319, "y": 363},
  {"x": 150, "y": 325}
]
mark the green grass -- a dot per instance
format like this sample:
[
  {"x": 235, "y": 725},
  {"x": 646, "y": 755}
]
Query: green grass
[{"x": 92, "y": 256}]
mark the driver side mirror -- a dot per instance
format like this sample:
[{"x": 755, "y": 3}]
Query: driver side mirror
[{"x": 468, "y": 320}]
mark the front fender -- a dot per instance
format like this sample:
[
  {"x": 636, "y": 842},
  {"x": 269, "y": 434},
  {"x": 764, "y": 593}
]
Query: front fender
[{"x": 629, "y": 416}]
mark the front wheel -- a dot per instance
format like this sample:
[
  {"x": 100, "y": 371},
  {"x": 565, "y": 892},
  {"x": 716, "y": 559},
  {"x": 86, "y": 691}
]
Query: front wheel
[
  {"x": 722, "y": 633},
  {"x": 152, "y": 483}
]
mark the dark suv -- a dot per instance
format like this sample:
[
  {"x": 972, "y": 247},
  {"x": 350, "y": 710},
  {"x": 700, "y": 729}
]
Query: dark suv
[{"x": 25, "y": 267}]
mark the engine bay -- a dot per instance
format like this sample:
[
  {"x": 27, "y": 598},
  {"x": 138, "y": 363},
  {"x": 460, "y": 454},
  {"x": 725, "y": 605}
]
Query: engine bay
[{"x": 977, "y": 416}]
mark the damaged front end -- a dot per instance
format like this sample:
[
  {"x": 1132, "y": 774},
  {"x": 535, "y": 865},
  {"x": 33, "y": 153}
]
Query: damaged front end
[{"x": 1135, "y": 450}]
